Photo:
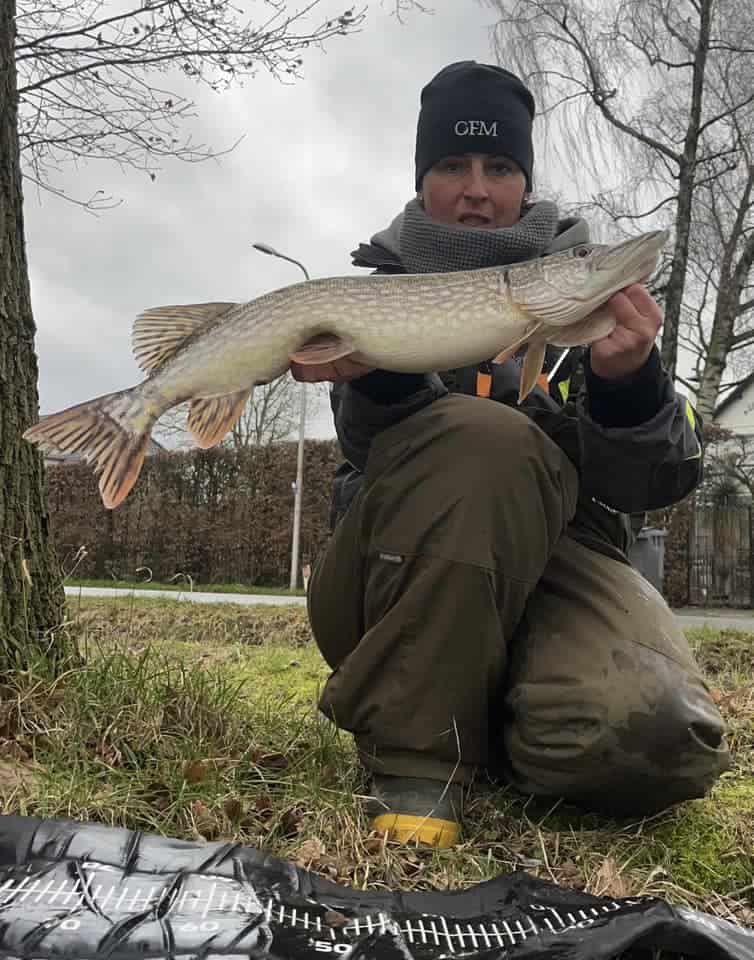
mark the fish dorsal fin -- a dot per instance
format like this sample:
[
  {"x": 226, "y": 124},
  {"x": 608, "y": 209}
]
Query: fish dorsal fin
[
  {"x": 211, "y": 418},
  {"x": 160, "y": 332}
]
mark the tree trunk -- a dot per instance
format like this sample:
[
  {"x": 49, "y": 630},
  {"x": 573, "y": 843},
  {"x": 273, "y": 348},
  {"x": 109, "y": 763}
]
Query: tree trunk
[
  {"x": 733, "y": 280},
  {"x": 686, "y": 187},
  {"x": 31, "y": 590},
  {"x": 677, "y": 281},
  {"x": 726, "y": 311}
]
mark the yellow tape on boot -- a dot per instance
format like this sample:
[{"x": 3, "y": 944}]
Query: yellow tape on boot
[{"x": 406, "y": 828}]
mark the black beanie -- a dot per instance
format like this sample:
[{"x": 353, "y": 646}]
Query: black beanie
[{"x": 472, "y": 107}]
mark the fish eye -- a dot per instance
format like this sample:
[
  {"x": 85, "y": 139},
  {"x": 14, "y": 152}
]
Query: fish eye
[{"x": 582, "y": 251}]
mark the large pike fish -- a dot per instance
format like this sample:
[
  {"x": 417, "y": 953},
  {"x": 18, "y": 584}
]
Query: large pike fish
[{"x": 214, "y": 353}]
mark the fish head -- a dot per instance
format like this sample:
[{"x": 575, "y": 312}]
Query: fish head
[{"x": 566, "y": 287}]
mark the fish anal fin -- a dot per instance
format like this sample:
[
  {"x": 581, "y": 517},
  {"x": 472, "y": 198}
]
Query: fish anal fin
[
  {"x": 211, "y": 418},
  {"x": 533, "y": 363},
  {"x": 508, "y": 352},
  {"x": 160, "y": 332},
  {"x": 324, "y": 348}
]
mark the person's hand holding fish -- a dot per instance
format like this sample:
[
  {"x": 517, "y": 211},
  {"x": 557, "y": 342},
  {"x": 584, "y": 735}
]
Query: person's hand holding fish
[
  {"x": 334, "y": 371},
  {"x": 638, "y": 319}
]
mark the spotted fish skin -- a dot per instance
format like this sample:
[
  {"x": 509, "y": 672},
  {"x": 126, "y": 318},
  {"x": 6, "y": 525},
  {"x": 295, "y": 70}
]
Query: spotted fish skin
[{"x": 213, "y": 354}]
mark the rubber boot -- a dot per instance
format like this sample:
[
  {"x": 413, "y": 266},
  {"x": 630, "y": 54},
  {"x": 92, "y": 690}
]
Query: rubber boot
[{"x": 416, "y": 810}]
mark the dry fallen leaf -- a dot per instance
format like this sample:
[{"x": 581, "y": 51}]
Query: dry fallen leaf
[
  {"x": 374, "y": 845},
  {"x": 233, "y": 808},
  {"x": 609, "y": 880},
  {"x": 194, "y": 771},
  {"x": 158, "y": 794},
  {"x": 568, "y": 874},
  {"x": 747, "y": 916},
  {"x": 110, "y": 754},
  {"x": 15, "y": 775},
  {"x": 310, "y": 852},
  {"x": 290, "y": 821},
  {"x": 328, "y": 776},
  {"x": 335, "y": 919},
  {"x": 204, "y": 820},
  {"x": 13, "y": 750},
  {"x": 274, "y": 761}
]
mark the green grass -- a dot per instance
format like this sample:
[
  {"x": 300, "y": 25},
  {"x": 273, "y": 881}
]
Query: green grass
[
  {"x": 201, "y": 722},
  {"x": 185, "y": 585}
]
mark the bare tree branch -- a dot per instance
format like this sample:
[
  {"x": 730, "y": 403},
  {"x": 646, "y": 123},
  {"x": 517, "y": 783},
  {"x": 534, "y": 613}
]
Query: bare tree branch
[
  {"x": 729, "y": 112},
  {"x": 636, "y": 216},
  {"x": 402, "y": 7},
  {"x": 742, "y": 340},
  {"x": 91, "y": 80},
  {"x": 686, "y": 383},
  {"x": 601, "y": 96},
  {"x": 659, "y": 81}
]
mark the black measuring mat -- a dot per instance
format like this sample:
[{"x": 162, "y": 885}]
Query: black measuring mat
[{"x": 82, "y": 890}]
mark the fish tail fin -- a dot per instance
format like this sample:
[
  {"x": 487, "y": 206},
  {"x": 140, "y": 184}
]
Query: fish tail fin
[{"x": 111, "y": 432}]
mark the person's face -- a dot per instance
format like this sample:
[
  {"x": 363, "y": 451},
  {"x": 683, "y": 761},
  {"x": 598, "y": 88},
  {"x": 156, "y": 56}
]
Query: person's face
[{"x": 474, "y": 190}]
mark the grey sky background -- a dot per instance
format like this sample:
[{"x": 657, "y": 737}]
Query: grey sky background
[{"x": 325, "y": 162}]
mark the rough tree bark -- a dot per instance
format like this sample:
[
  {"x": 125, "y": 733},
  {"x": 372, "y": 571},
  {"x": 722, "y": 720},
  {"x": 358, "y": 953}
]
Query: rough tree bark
[
  {"x": 686, "y": 181},
  {"x": 724, "y": 244},
  {"x": 727, "y": 311},
  {"x": 31, "y": 591}
]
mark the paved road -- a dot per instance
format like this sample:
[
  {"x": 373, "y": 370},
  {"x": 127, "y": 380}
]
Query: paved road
[
  {"x": 245, "y": 599},
  {"x": 689, "y": 616},
  {"x": 717, "y": 619}
]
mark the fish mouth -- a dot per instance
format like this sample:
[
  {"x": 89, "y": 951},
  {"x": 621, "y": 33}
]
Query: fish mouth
[
  {"x": 565, "y": 300},
  {"x": 631, "y": 262},
  {"x": 634, "y": 259}
]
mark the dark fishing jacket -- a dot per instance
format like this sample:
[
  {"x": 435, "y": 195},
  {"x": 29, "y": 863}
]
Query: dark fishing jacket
[{"x": 635, "y": 442}]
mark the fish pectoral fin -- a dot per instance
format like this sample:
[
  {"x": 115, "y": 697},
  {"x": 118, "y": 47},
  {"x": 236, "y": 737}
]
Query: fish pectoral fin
[
  {"x": 533, "y": 363},
  {"x": 160, "y": 332},
  {"x": 211, "y": 418},
  {"x": 509, "y": 351},
  {"x": 324, "y": 348},
  {"x": 600, "y": 323}
]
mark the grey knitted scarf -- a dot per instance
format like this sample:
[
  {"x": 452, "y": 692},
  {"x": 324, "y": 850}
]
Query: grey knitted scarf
[{"x": 429, "y": 247}]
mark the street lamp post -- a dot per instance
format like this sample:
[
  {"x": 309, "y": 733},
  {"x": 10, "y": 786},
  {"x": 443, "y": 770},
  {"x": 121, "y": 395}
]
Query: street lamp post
[{"x": 271, "y": 251}]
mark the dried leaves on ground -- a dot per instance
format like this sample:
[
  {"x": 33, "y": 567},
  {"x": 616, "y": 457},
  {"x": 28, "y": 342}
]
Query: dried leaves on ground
[{"x": 175, "y": 721}]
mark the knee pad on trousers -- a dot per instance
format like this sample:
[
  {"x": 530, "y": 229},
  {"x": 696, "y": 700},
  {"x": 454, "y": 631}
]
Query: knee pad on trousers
[{"x": 657, "y": 760}]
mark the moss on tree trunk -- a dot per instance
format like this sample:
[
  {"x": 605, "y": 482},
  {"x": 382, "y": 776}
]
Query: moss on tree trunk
[{"x": 31, "y": 591}]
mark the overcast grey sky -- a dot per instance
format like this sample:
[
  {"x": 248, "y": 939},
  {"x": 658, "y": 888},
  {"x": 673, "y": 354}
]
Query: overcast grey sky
[{"x": 325, "y": 162}]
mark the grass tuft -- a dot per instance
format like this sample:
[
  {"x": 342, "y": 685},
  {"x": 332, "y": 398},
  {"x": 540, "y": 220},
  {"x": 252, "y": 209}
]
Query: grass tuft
[{"x": 201, "y": 722}]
